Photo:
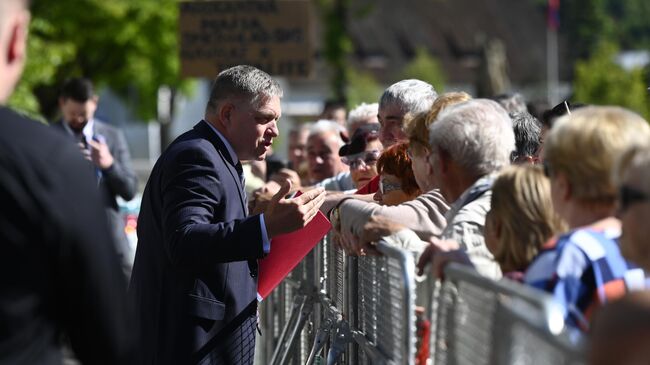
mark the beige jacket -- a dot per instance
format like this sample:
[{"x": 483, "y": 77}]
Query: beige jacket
[{"x": 424, "y": 215}]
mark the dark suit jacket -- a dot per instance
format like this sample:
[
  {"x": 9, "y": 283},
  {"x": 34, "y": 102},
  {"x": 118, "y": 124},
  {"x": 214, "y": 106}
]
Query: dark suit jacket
[
  {"x": 59, "y": 271},
  {"x": 192, "y": 280},
  {"x": 118, "y": 180}
]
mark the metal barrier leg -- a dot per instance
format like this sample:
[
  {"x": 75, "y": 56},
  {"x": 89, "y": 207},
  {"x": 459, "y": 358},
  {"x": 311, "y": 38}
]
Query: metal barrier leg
[
  {"x": 341, "y": 340},
  {"x": 303, "y": 315},
  {"x": 321, "y": 337},
  {"x": 298, "y": 302}
]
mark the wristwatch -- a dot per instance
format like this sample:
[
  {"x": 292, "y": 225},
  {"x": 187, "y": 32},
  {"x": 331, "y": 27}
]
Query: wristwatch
[{"x": 335, "y": 219}]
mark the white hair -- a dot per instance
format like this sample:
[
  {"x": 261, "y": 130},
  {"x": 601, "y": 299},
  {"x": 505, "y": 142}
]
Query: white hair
[
  {"x": 325, "y": 126},
  {"x": 362, "y": 112},
  {"x": 477, "y": 134},
  {"x": 411, "y": 96}
]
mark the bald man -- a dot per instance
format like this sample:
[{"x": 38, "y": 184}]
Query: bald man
[{"x": 59, "y": 272}]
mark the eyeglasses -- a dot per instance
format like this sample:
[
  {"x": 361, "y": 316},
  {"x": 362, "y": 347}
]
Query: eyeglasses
[
  {"x": 363, "y": 159},
  {"x": 628, "y": 196},
  {"x": 387, "y": 187}
]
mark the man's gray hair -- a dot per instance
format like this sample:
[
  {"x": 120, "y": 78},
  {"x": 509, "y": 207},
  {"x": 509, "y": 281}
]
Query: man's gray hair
[
  {"x": 362, "y": 112},
  {"x": 325, "y": 126},
  {"x": 528, "y": 132},
  {"x": 477, "y": 134},
  {"x": 246, "y": 82},
  {"x": 411, "y": 96}
]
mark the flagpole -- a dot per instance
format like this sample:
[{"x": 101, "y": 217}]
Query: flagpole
[
  {"x": 552, "y": 73},
  {"x": 552, "y": 62}
]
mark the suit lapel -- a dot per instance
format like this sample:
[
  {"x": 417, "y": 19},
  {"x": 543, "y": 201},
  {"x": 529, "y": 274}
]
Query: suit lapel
[{"x": 228, "y": 159}]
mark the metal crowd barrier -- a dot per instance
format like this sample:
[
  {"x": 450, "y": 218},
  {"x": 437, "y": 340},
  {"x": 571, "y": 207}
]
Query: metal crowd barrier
[
  {"x": 338, "y": 309},
  {"x": 482, "y": 321}
]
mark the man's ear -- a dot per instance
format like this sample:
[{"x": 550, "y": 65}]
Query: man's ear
[
  {"x": 225, "y": 113},
  {"x": 444, "y": 160},
  {"x": 17, "y": 46}
]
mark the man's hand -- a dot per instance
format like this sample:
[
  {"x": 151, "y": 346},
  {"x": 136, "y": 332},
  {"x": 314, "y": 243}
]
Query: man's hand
[
  {"x": 439, "y": 254},
  {"x": 287, "y": 215},
  {"x": 100, "y": 155}
]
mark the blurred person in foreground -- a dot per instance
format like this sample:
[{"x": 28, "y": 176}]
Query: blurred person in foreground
[
  {"x": 621, "y": 332},
  {"x": 194, "y": 281},
  {"x": 361, "y": 155},
  {"x": 364, "y": 221},
  {"x": 632, "y": 176},
  {"x": 60, "y": 274},
  {"x": 584, "y": 268},
  {"x": 105, "y": 147},
  {"x": 397, "y": 183}
]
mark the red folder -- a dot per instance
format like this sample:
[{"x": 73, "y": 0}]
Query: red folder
[
  {"x": 286, "y": 252},
  {"x": 371, "y": 187}
]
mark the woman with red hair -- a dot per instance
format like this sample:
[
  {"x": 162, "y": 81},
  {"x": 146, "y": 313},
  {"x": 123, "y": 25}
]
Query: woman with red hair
[{"x": 396, "y": 183}]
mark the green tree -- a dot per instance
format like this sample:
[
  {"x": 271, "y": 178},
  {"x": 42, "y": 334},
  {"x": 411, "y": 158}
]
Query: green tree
[
  {"x": 362, "y": 88},
  {"x": 586, "y": 24},
  {"x": 129, "y": 46},
  {"x": 599, "y": 80},
  {"x": 337, "y": 45},
  {"x": 426, "y": 68},
  {"x": 631, "y": 17}
]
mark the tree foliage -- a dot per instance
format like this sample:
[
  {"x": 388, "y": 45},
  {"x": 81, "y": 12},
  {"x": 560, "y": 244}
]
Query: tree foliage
[
  {"x": 129, "y": 46},
  {"x": 426, "y": 68},
  {"x": 362, "y": 88},
  {"x": 337, "y": 45},
  {"x": 599, "y": 80}
]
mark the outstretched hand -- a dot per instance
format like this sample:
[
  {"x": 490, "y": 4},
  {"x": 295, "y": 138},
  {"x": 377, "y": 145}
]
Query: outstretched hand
[{"x": 287, "y": 215}]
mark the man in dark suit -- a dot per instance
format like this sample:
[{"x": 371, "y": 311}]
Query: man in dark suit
[
  {"x": 105, "y": 146},
  {"x": 59, "y": 272},
  {"x": 194, "y": 281}
]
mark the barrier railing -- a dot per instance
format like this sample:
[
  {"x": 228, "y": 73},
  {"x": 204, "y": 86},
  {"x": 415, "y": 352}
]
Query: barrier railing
[{"x": 339, "y": 309}]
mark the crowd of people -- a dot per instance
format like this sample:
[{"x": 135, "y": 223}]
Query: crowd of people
[{"x": 557, "y": 201}]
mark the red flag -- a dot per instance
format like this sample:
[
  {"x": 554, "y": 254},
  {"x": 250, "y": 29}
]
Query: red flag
[{"x": 553, "y": 14}]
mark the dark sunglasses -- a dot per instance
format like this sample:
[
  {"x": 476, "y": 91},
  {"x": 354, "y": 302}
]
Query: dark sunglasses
[
  {"x": 362, "y": 159},
  {"x": 628, "y": 196}
]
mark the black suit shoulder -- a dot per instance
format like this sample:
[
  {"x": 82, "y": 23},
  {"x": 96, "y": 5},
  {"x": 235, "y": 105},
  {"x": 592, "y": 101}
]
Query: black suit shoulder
[{"x": 55, "y": 247}]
